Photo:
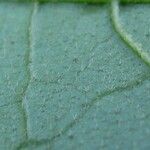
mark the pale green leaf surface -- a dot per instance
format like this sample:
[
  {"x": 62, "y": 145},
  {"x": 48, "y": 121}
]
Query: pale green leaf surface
[{"x": 68, "y": 81}]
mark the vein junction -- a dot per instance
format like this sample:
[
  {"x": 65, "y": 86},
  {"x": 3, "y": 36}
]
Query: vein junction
[{"x": 129, "y": 86}]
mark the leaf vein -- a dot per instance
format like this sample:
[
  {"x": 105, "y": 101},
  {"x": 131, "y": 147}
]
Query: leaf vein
[
  {"x": 124, "y": 87},
  {"x": 28, "y": 60}
]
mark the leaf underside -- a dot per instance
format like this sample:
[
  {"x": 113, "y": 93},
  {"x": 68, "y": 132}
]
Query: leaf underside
[{"x": 67, "y": 80}]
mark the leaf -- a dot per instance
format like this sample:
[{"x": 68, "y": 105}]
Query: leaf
[{"x": 68, "y": 81}]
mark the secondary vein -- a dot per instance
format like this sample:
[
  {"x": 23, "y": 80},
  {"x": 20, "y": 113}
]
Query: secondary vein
[{"x": 128, "y": 86}]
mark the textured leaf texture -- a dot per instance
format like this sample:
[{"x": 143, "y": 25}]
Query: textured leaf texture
[{"x": 68, "y": 81}]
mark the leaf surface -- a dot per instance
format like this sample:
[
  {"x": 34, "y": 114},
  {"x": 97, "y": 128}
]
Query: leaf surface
[{"x": 68, "y": 81}]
